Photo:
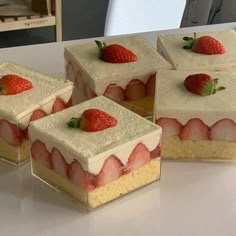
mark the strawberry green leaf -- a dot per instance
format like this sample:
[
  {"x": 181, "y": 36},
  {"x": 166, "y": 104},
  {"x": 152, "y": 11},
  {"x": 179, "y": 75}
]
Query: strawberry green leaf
[{"x": 74, "y": 123}]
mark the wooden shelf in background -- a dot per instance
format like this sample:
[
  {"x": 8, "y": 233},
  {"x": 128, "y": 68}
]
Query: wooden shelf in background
[{"x": 35, "y": 21}]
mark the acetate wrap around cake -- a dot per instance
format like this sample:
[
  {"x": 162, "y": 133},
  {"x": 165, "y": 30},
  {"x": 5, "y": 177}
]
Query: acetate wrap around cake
[
  {"x": 131, "y": 84},
  {"x": 47, "y": 95},
  {"x": 96, "y": 167}
]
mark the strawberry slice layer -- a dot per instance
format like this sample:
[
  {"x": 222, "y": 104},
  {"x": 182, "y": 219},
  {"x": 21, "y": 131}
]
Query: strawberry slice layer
[
  {"x": 80, "y": 177},
  {"x": 115, "y": 93},
  {"x": 170, "y": 126},
  {"x": 59, "y": 164},
  {"x": 134, "y": 90},
  {"x": 139, "y": 157},
  {"x": 111, "y": 170},
  {"x": 156, "y": 152},
  {"x": 224, "y": 129},
  {"x": 40, "y": 153},
  {"x": 195, "y": 129},
  {"x": 58, "y": 105},
  {"x": 10, "y": 132},
  {"x": 37, "y": 114},
  {"x": 69, "y": 103}
]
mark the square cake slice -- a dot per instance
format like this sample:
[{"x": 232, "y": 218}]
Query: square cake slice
[
  {"x": 196, "y": 127},
  {"x": 131, "y": 84},
  {"x": 95, "y": 167},
  {"x": 46, "y": 95},
  {"x": 171, "y": 47}
]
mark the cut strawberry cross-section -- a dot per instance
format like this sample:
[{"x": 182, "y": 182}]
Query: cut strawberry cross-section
[
  {"x": 60, "y": 166},
  {"x": 10, "y": 132},
  {"x": 40, "y": 153},
  {"x": 170, "y": 126},
  {"x": 195, "y": 129},
  {"x": 80, "y": 177},
  {"x": 111, "y": 170},
  {"x": 139, "y": 157},
  {"x": 115, "y": 93},
  {"x": 224, "y": 129},
  {"x": 134, "y": 90},
  {"x": 58, "y": 105}
]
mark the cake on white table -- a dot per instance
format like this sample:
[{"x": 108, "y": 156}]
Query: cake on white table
[
  {"x": 45, "y": 95},
  {"x": 196, "y": 126},
  {"x": 93, "y": 165},
  {"x": 129, "y": 82}
]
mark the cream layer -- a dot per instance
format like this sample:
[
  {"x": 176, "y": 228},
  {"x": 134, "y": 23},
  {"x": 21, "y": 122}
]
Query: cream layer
[
  {"x": 92, "y": 148},
  {"x": 174, "y": 101}
]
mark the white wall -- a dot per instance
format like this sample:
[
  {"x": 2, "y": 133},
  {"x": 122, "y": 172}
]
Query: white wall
[{"x": 132, "y": 16}]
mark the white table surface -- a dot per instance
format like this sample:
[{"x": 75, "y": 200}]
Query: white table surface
[{"x": 191, "y": 198}]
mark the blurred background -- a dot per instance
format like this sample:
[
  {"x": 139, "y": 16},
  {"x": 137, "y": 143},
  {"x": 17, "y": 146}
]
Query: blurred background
[{"x": 92, "y": 18}]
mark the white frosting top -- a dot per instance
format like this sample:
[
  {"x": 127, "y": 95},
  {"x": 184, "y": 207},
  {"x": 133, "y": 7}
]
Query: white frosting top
[
  {"x": 173, "y": 100},
  {"x": 45, "y": 89},
  {"x": 94, "y": 146},
  {"x": 149, "y": 61},
  {"x": 172, "y": 47}
]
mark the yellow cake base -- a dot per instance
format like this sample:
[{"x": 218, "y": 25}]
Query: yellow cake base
[
  {"x": 174, "y": 148},
  {"x": 144, "y": 175},
  {"x": 14, "y": 154}
]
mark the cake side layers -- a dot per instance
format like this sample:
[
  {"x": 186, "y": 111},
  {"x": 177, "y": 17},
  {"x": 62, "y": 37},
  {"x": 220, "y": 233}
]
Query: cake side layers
[
  {"x": 86, "y": 145},
  {"x": 88, "y": 200}
]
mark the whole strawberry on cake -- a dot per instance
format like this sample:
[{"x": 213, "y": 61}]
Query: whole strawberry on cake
[
  {"x": 121, "y": 68},
  {"x": 197, "y": 112},
  {"x": 94, "y": 153},
  {"x": 25, "y": 96},
  {"x": 209, "y": 51}
]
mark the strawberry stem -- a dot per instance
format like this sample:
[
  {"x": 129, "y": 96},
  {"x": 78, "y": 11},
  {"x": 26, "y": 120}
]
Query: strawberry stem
[
  {"x": 211, "y": 88},
  {"x": 191, "y": 40},
  {"x": 101, "y": 47},
  {"x": 74, "y": 122}
]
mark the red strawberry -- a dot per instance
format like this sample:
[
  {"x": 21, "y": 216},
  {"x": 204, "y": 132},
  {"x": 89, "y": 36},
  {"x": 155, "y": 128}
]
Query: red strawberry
[
  {"x": 58, "y": 105},
  {"x": 111, "y": 170},
  {"x": 93, "y": 120},
  {"x": 202, "y": 84},
  {"x": 195, "y": 129},
  {"x": 156, "y": 152},
  {"x": 115, "y": 93},
  {"x": 135, "y": 89},
  {"x": 115, "y": 53},
  {"x": 80, "y": 177},
  {"x": 139, "y": 157},
  {"x": 37, "y": 114},
  {"x": 150, "y": 85},
  {"x": 69, "y": 103},
  {"x": 59, "y": 164},
  {"x": 204, "y": 45},
  {"x": 40, "y": 153},
  {"x": 170, "y": 126},
  {"x": 224, "y": 129},
  {"x": 13, "y": 84},
  {"x": 10, "y": 132}
]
